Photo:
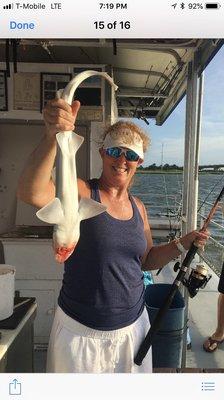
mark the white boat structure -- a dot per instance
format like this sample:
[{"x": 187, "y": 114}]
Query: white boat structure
[{"x": 153, "y": 76}]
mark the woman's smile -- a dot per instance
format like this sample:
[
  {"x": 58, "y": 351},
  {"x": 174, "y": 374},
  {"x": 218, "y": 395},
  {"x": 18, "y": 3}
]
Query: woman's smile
[{"x": 119, "y": 170}]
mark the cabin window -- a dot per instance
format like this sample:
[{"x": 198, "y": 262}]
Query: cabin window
[{"x": 88, "y": 96}]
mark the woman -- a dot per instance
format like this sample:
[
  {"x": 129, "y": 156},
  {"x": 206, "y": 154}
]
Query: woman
[{"x": 101, "y": 320}]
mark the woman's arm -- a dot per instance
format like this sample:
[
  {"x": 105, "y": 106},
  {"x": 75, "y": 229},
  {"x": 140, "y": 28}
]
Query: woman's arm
[
  {"x": 158, "y": 256},
  {"x": 35, "y": 184}
]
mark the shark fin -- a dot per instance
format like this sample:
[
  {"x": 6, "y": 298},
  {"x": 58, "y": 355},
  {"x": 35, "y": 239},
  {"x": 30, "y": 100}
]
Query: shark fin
[
  {"x": 69, "y": 142},
  {"x": 52, "y": 212},
  {"x": 89, "y": 208}
]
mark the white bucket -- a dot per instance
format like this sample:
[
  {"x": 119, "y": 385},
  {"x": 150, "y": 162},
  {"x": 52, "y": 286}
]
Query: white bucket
[{"x": 7, "y": 287}]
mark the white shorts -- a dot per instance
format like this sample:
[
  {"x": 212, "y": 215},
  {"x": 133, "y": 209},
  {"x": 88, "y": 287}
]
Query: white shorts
[{"x": 74, "y": 347}]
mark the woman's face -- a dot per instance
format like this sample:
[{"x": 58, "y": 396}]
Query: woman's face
[{"x": 118, "y": 171}]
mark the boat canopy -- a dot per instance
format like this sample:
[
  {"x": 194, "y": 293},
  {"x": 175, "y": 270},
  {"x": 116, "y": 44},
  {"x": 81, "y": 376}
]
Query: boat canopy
[{"x": 151, "y": 73}]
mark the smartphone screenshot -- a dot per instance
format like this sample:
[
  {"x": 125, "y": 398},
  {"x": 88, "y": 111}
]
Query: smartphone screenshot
[{"x": 111, "y": 199}]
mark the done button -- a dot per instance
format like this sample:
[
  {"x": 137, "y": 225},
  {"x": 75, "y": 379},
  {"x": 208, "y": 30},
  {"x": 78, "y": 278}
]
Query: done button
[{"x": 21, "y": 25}]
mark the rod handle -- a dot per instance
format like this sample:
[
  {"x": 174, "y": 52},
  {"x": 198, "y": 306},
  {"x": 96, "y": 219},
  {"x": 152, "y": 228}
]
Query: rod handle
[{"x": 190, "y": 255}]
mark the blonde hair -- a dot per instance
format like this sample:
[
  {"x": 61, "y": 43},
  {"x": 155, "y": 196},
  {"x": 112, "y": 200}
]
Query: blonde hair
[{"x": 127, "y": 130}]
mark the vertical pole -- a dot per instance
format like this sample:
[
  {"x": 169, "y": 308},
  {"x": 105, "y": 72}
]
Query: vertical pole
[
  {"x": 191, "y": 160},
  {"x": 189, "y": 212},
  {"x": 198, "y": 137}
]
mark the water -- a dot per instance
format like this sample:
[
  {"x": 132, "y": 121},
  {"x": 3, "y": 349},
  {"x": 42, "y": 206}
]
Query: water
[{"x": 161, "y": 194}]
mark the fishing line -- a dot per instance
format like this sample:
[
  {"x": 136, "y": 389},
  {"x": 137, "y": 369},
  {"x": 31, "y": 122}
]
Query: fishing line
[
  {"x": 219, "y": 181},
  {"x": 172, "y": 229}
]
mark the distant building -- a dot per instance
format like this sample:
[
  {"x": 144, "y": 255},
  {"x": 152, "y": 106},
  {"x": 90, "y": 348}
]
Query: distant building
[
  {"x": 207, "y": 169},
  {"x": 221, "y": 169}
]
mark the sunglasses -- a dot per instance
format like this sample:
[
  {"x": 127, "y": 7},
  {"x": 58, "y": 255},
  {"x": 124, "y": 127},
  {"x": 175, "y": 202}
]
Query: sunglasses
[{"x": 116, "y": 152}]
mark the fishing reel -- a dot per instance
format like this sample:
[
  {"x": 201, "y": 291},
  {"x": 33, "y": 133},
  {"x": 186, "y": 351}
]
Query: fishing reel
[{"x": 197, "y": 279}]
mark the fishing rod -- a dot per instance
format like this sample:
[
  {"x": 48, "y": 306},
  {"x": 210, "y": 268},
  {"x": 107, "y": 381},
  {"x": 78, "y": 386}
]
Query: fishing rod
[{"x": 147, "y": 342}]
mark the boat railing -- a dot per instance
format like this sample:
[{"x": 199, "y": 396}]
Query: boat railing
[
  {"x": 169, "y": 208},
  {"x": 166, "y": 206}
]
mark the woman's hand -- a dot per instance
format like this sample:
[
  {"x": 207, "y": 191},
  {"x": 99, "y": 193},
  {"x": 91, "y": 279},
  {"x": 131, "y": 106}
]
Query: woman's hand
[
  {"x": 199, "y": 238},
  {"x": 59, "y": 116}
]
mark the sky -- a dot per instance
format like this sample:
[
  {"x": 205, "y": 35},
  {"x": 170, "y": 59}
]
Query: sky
[{"x": 171, "y": 133}]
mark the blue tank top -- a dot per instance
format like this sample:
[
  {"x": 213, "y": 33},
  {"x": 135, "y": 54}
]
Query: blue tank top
[{"x": 103, "y": 285}]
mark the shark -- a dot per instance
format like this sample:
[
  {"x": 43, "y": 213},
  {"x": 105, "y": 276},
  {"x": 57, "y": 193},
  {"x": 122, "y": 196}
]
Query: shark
[{"x": 65, "y": 211}]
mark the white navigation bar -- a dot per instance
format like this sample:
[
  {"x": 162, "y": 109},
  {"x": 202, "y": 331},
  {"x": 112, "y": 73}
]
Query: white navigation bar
[
  {"x": 106, "y": 19},
  {"x": 111, "y": 386}
]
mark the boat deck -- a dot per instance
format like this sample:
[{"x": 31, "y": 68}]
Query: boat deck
[{"x": 202, "y": 321}]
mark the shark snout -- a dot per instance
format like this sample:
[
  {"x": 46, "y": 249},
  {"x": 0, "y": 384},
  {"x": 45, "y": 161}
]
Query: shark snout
[{"x": 63, "y": 253}]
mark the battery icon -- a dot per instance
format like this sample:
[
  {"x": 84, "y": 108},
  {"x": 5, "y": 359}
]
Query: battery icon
[{"x": 212, "y": 6}]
